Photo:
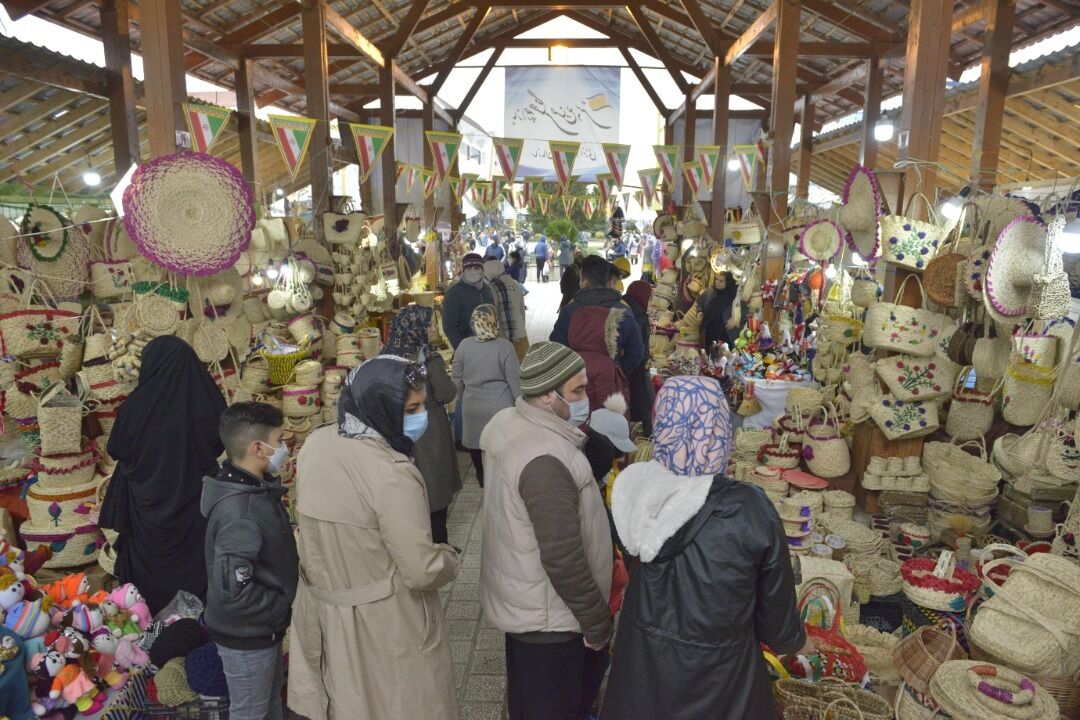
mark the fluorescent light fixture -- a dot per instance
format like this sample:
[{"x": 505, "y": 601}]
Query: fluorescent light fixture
[
  {"x": 559, "y": 54},
  {"x": 280, "y": 192},
  {"x": 92, "y": 178},
  {"x": 256, "y": 279},
  {"x": 883, "y": 131},
  {"x": 1069, "y": 239},
  {"x": 733, "y": 164},
  {"x": 117, "y": 194}
]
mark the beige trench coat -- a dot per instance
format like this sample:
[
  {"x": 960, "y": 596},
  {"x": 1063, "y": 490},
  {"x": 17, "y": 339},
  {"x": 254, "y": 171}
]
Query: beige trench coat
[{"x": 368, "y": 638}]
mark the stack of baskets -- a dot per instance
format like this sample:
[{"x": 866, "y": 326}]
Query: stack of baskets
[
  {"x": 747, "y": 444},
  {"x": 770, "y": 480},
  {"x": 860, "y": 539},
  {"x": 803, "y": 700},
  {"x": 798, "y": 519},
  {"x": 839, "y": 504},
  {"x": 917, "y": 658},
  {"x": 963, "y": 490}
]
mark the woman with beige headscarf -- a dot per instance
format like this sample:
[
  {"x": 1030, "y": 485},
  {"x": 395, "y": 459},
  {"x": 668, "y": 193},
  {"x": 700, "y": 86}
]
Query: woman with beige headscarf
[{"x": 485, "y": 372}]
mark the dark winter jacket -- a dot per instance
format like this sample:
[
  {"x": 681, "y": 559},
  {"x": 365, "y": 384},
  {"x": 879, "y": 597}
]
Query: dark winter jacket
[
  {"x": 629, "y": 350},
  {"x": 715, "y": 581},
  {"x": 716, "y": 308},
  {"x": 641, "y": 388},
  {"x": 593, "y": 335},
  {"x": 569, "y": 284},
  {"x": 460, "y": 301},
  {"x": 251, "y": 560}
]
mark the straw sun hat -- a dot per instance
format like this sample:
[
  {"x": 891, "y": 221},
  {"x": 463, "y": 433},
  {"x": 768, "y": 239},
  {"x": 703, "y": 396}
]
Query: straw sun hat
[
  {"x": 190, "y": 213},
  {"x": 1014, "y": 262},
  {"x": 860, "y": 212},
  {"x": 821, "y": 240}
]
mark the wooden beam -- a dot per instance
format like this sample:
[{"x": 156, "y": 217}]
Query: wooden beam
[
  {"x": 640, "y": 75},
  {"x": 21, "y": 8},
  {"x": 721, "y": 97},
  {"x": 260, "y": 27},
  {"x": 316, "y": 64},
  {"x": 406, "y": 27},
  {"x": 967, "y": 16},
  {"x": 689, "y": 141},
  {"x": 657, "y": 45},
  {"x": 458, "y": 51},
  {"x": 925, "y": 70},
  {"x": 868, "y": 149},
  {"x": 752, "y": 33},
  {"x": 782, "y": 124},
  {"x": 993, "y": 87},
  {"x": 116, "y": 38},
  {"x": 55, "y": 150},
  {"x": 29, "y": 68},
  {"x": 247, "y": 127},
  {"x": 848, "y": 21},
  {"x": 469, "y": 96},
  {"x": 806, "y": 144},
  {"x": 389, "y": 161},
  {"x": 354, "y": 89},
  {"x": 163, "y": 71},
  {"x": 705, "y": 28},
  {"x": 427, "y": 123},
  {"x": 438, "y": 18}
]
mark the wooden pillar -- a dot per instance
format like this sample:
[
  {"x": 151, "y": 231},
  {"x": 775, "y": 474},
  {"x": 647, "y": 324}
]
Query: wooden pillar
[
  {"x": 721, "y": 98},
  {"x": 116, "y": 36},
  {"x": 161, "y": 25},
  {"x": 389, "y": 163},
  {"x": 316, "y": 84},
  {"x": 428, "y": 115},
  {"x": 785, "y": 70},
  {"x": 871, "y": 111},
  {"x": 927, "y": 65},
  {"x": 247, "y": 128},
  {"x": 689, "y": 140},
  {"x": 806, "y": 146},
  {"x": 993, "y": 89}
]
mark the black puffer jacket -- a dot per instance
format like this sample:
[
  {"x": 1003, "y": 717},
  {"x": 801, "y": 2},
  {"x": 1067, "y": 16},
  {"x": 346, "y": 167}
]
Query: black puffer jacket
[{"x": 720, "y": 582}]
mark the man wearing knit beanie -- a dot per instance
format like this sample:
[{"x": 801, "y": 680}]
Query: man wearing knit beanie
[{"x": 545, "y": 568}]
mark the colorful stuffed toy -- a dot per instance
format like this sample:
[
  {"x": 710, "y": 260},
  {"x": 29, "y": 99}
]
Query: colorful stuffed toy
[
  {"x": 84, "y": 617},
  {"x": 70, "y": 589},
  {"x": 30, "y": 620},
  {"x": 11, "y": 590},
  {"x": 127, "y": 597}
]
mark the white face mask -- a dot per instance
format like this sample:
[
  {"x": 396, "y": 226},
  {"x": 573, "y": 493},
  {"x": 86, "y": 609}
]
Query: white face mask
[
  {"x": 579, "y": 410},
  {"x": 276, "y": 461},
  {"x": 473, "y": 276}
]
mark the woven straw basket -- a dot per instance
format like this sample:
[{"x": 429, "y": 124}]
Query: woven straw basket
[
  {"x": 65, "y": 471},
  {"x": 64, "y": 508},
  {"x": 300, "y": 400},
  {"x": 1027, "y": 392},
  {"x": 919, "y": 655},
  {"x": 71, "y": 548},
  {"x": 60, "y": 421}
]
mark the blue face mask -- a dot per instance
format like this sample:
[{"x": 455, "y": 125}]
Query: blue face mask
[
  {"x": 277, "y": 461},
  {"x": 579, "y": 410},
  {"x": 415, "y": 425}
]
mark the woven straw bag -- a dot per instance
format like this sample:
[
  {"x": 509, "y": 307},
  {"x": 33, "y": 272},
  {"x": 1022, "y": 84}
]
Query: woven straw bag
[
  {"x": 1026, "y": 393},
  {"x": 825, "y": 451},
  {"x": 899, "y": 328},
  {"x": 1037, "y": 348},
  {"x": 909, "y": 242},
  {"x": 110, "y": 279},
  {"x": 802, "y": 400},
  {"x": 1067, "y": 389},
  {"x": 282, "y": 359},
  {"x": 301, "y": 400},
  {"x": 864, "y": 289},
  {"x": 972, "y": 411},
  {"x": 959, "y": 476},
  {"x": 60, "y": 421},
  {"x": 951, "y": 591},
  {"x": 915, "y": 378},
  {"x": 36, "y": 330},
  {"x": 919, "y": 655},
  {"x": 1067, "y": 538},
  {"x": 1032, "y": 621},
  {"x": 1050, "y": 295},
  {"x": 210, "y": 342},
  {"x": 783, "y": 455},
  {"x": 899, "y": 419},
  {"x": 990, "y": 355},
  {"x": 255, "y": 375}
]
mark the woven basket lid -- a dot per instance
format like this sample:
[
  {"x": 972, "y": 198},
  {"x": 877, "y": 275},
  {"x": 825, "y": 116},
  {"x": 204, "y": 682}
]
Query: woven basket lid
[
  {"x": 60, "y": 259},
  {"x": 191, "y": 213},
  {"x": 860, "y": 212},
  {"x": 1013, "y": 264}
]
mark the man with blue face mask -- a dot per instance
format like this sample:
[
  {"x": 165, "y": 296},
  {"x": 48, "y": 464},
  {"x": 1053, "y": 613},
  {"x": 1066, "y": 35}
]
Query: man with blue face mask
[
  {"x": 251, "y": 559},
  {"x": 545, "y": 566}
]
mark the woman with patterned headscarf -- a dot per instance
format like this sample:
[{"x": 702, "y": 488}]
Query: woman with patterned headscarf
[
  {"x": 714, "y": 579},
  {"x": 485, "y": 372},
  {"x": 410, "y": 336}
]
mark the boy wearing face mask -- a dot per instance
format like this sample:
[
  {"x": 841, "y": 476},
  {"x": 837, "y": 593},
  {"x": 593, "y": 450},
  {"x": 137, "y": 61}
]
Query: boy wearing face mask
[
  {"x": 251, "y": 559},
  {"x": 471, "y": 290}
]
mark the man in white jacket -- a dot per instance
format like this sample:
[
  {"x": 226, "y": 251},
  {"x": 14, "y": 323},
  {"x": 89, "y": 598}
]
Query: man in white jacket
[{"x": 509, "y": 305}]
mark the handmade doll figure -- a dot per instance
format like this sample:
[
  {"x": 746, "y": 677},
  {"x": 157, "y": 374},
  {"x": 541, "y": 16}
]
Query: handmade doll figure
[
  {"x": 44, "y": 667},
  {"x": 84, "y": 617},
  {"x": 69, "y": 590},
  {"x": 127, "y": 597},
  {"x": 30, "y": 620},
  {"x": 103, "y": 657},
  {"x": 124, "y": 652},
  {"x": 11, "y": 590}
]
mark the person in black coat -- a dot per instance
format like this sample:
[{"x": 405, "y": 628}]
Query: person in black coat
[
  {"x": 715, "y": 578},
  {"x": 637, "y": 299},
  {"x": 716, "y": 305}
]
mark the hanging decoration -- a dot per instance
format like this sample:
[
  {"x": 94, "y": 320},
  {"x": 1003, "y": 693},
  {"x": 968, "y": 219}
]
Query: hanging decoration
[
  {"x": 587, "y": 207},
  {"x": 747, "y": 155},
  {"x": 545, "y": 202},
  {"x": 370, "y": 141},
  {"x": 293, "y": 136},
  {"x": 649, "y": 180},
  {"x": 709, "y": 157},
  {"x": 532, "y": 186},
  {"x": 667, "y": 156},
  {"x": 617, "y": 157},
  {"x": 694, "y": 176},
  {"x": 603, "y": 186},
  {"x": 444, "y": 148},
  {"x": 465, "y": 184},
  {"x": 508, "y": 151},
  {"x": 498, "y": 185},
  {"x": 568, "y": 204},
  {"x": 563, "y": 154},
  {"x": 205, "y": 123},
  {"x": 431, "y": 181}
]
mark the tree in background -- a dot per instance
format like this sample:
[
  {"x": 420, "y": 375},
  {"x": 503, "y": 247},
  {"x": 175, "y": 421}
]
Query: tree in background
[{"x": 556, "y": 223}]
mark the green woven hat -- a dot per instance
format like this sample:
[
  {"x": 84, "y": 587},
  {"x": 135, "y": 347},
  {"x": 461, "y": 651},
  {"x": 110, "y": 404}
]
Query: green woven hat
[{"x": 547, "y": 366}]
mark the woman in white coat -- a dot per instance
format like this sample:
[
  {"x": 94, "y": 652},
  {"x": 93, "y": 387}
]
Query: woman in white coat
[{"x": 486, "y": 374}]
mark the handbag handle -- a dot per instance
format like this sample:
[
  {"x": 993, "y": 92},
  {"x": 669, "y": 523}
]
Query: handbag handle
[
  {"x": 1011, "y": 605},
  {"x": 979, "y": 443},
  {"x": 961, "y": 378},
  {"x": 931, "y": 213},
  {"x": 900, "y": 290}
]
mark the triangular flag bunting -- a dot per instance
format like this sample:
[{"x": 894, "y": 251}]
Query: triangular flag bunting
[
  {"x": 370, "y": 141},
  {"x": 616, "y": 157},
  {"x": 498, "y": 184},
  {"x": 588, "y": 207},
  {"x": 293, "y": 136},
  {"x": 512, "y": 197},
  {"x": 545, "y": 203},
  {"x": 532, "y": 186},
  {"x": 444, "y": 146},
  {"x": 602, "y": 186},
  {"x": 563, "y": 155},
  {"x": 694, "y": 177},
  {"x": 747, "y": 156},
  {"x": 508, "y": 151},
  {"x": 762, "y": 146},
  {"x": 205, "y": 123},
  {"x": 568, "y": 204},
  {"x": 639, "y": 198},
  {"x": 667, "y": 157},
  {"x": 709, "y": 157},
  {"x": 649, "y": 180},
  {"x": 468, "y": 180},
  {"x": 431, "y": 181},
  {"x": 455, "y": 188}
]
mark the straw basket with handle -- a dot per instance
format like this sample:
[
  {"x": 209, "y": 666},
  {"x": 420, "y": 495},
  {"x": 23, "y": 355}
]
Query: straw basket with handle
[
  {"x": 903, "y": 329},
  {"x": 938, "y": 584},
  {"x": 941, "y": 274},
  {"x": 1027, "y": 391},
  {"x": 60, "y": 421},
  {"x": 282, "y": 358},
  {"x": 972, "y": 411},
  {"x": 828, "y": 700},
  {"x": 909, "y": 242},
  {"x": 919, "y": 655},
  {"x": 782, "y": 454},
  {"x": 826, "y": 453}
]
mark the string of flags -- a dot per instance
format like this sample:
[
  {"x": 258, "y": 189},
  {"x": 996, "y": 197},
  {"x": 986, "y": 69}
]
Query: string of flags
[{"x": 293, "y": 133}]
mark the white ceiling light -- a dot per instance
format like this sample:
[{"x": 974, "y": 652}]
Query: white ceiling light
[
  {"x": 883, "y": 131},
  {"x": 91, "y": 178},
  {"x": 559, "y": 54},
  {"x": 733, "y": 164}
]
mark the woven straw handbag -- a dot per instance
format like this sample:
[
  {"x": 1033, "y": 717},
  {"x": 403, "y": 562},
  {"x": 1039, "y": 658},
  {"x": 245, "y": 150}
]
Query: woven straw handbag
[
  {"x": 915, "y": 378},
  {"x": 909, "y": 242},
  {"x": 864, "y": 289},
  {"x": 972, "y": 411},
  {"x": 824, "y": 449},
  {"x": 1067, "y": 538},
  {"x": 1026, "y": 392},
  {"x": 899, "y": 328},
  {"x": 899, "y": 419},
  {"x": 110, "y": 279},
  {"x": 990, "y": 356},
  {"x": 60, "y": 421},
  {"x": 1050, "y": 295},
  {"x": 746, "y": 231},
  {"x": 37, "y": 329},
  {"x": 1032, "y": 621},
  {"x": 783, "y": 454},
  {"x": 1038, "y": 348}
]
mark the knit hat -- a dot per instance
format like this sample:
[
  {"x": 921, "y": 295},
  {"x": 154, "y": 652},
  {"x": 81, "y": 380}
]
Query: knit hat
[
  {"x": 472, "y": 260},
  {"x": 547, "y": 366},
  {"x": 205, "y": 673},
  {"x": 172, "y": 685},
  {"x": 176, "y": 641}
]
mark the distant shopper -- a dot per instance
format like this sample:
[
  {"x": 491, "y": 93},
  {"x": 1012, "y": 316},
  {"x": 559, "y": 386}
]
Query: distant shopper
[
  {"x": 515, "y": 266},
  {"x": 495, "y": 250},
  {"x": 637, "y": 298},
  {"x": 485, "y": 372},
  {"x": 509, "y": 305},
  {"x": 470, "y": 290},
  {"x": 546, "y": 559},
  {"x": 570, "y": 280},
  {"x": 717, "y": 304},
  {"x": 566, "y": 254},
  {"x": 540, "y": 252},
  {"x": 251, "y": 559},
  {"x": 715, "y": 579}
]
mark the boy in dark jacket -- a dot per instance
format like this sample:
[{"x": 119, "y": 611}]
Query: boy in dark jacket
[{"x": 251, "y": 559}]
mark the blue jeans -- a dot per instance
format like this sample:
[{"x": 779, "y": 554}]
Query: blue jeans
[{"x": 255, "y": 678}]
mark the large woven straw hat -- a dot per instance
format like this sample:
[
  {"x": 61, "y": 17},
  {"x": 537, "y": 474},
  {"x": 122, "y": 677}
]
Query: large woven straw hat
[
  {"x": 860, "y": 212},
  {"x": 191, "y": 213},
  {"x": 821, "y": 240},
  {"x": 1013, "y": 264}
]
